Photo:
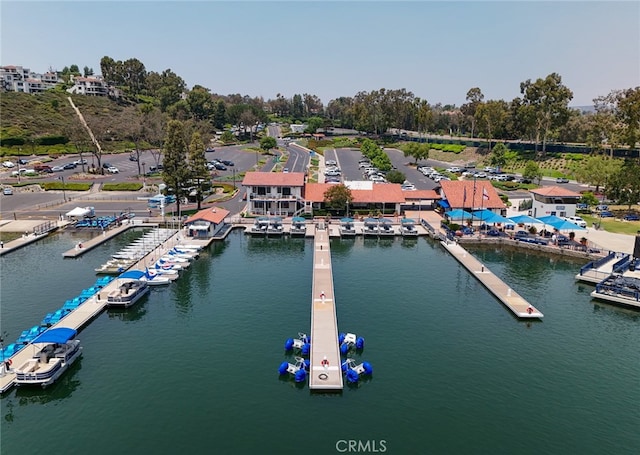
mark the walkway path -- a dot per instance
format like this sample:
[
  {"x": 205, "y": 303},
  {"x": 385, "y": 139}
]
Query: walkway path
[{"x": 326, "y": 373}]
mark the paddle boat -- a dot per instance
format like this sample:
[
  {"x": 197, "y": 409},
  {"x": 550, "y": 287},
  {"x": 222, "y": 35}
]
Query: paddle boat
[
  {"x": 302, "y": 344},
  {"x": 298, "y": 226},
  {"x": 408, "y": 228},
  {"x": 127, "y": 293},
  {"x": 354, "y": 371},
  {"x": 298, "y": 370},
  {"x": 56, "y": 351},
  {"x": 347, "y": 228},
  {"x": 349, "y": 341},
  {"x": 260, "y": 226}
]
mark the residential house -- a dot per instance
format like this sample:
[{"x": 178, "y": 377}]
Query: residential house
[
  {"x": 206, "y": 223},
  {"x": 554, "y": 200},
  {"x": 19, "y": 79},
  {"x": 93, "y": 86},
  {"x": 274, "y": 193}
]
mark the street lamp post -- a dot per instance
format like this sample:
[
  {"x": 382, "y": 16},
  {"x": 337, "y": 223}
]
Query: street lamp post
[
  {"x": 144, "y": 176},
  {"x": 64, "y": 193},
  {"x": 234, "y": 178}
]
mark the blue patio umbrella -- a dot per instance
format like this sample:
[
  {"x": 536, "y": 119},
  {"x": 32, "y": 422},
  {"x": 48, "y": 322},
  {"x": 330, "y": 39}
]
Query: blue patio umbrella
[
  {"x": 483, "y": 215},
  {"x": 525, "y": 219},
  {"x": 497, "y": 218},
  {"x": 458, "y": 214},
  {"x": 560, "y": 224}
]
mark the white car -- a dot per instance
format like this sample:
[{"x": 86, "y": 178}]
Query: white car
[
  {"x": 112, "y": 170},
  {"x": 330, "y": 162},
  {"x": 577, "y": 220},
  {"x": 454, "y": 170},
  {"x": 8, "y": 164},
  {"x": 80, "y": 162}
]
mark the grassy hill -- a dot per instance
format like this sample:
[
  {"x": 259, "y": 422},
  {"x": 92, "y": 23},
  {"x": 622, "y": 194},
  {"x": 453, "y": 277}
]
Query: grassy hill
[{"x": 41, "y": 123}]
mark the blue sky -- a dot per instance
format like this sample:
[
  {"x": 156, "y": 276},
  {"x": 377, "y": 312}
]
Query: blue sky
[{"x": 437, "y": 50}]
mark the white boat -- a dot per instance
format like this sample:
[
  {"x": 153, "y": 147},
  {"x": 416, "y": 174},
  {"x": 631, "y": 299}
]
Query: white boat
[
  {"x": 408, "y": 228},
  {"x": 152, "y": 279},
  {"x": 347, "y": 228},
  {"x": 127, "y": 293},
  {"x": 168, "y": 264},
  {"x": 260, "y": 226},
  {"x": 56, "y": 351}
]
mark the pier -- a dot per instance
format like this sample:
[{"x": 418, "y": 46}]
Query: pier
[
  {"x": 93, "y": 306},
  {"x": 326, "y": 373},
  {"x": 511, "y": 299}
]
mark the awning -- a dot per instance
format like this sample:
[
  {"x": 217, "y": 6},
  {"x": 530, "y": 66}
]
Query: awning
[
  {"x": 58, "y": 335},
  {"x": 78, "y": 211},
  {"x": 199, "y": 227},
  {"x": 444, "y": 204}
]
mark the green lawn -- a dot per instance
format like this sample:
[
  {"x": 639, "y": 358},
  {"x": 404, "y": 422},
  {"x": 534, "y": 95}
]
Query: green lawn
[{"x": 613, "y": 225}]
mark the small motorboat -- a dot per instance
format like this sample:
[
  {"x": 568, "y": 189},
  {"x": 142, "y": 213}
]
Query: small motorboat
[
  {"x": 301, "y": 344},
  {"x": 349, "y": 341},
  {"x": 354, "y": 371},
  {"x": 128, "y": 293},
  {"x": 298, "y": 370},
  {"x": 58, "y": 351}
]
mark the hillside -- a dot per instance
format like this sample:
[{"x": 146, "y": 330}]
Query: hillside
[{"x": 49, "y": 114}]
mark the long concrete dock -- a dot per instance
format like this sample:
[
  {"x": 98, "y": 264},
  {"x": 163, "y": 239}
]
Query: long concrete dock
[
  {"x": 511, "y": 299},
  {"x": 326, "y": 373},
  {"x": 89, "y": 309}
]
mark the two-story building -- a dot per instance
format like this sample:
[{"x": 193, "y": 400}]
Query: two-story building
[
  {"x": 554, "y": 200},
  {"x": 470, "y": 195},
  {"x": 274, "y": 193},
  {"x": 92, "y": 86},
  {"x": 19, "y": 79},
  {"x": 367, "y": 196}
]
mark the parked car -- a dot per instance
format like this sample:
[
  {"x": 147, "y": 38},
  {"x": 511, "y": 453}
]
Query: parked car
[
  {"x": 577, "y": 220},
  {"x": 631, "y": 217},
  {"x": 454, "y": 170},
  {"x": 522, "y": 180},
  {"x": 112, "y": 170},
  {"x": 42, "y": 168},
  {"x": 133, "y": 157},
  {"x": 285, "y": 170},
  {"x": 602, "y": 207},
  {"x": 606, "y": 214},
  {"x": 8, "y": 164},
  {"x": 227, "y": 162},
  {"x": 209, "y": 150},
  {"x": 57, "y": 168},
  {"x": 7, "y": 191},
  {"x": 562, "y": 180},
  {"x": 582, "y": 206},
  {"x": 80, "y": 162},
  {"x": 22, "y": 161},
  {"x": 521, "y": 235},
  {"x": 106, "y": 165},
  {"x": 330, "y": 162},
  {"x": 220, "y": 167},
  {"x": 69, "y": 166}
]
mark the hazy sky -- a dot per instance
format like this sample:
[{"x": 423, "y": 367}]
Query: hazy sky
[{"x": 437, "y": 50}]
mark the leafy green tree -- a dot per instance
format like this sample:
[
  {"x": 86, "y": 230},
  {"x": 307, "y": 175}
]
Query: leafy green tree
[
  {"x": 549, "y": 100},
  {"x": 424, "y": 116},
  {"x": 267, "y": 143},
  {"x": 337, "y": 197},
  {"x": 219, "y": 114},
  {"x": 532, "y": 171},
  {"x": 227, "y": 137},
  {"x": 498, "y": 155},
  {"x": 314, "y": 124},
  {"x": 589, "y": 198},
  {"x": 197, "y": 163},
  {"x": 474, "y": 99},
  {"x": 416, "y": 151},
  {"x": 394, "y": 176},
  {"x": 297, "y": 107},
  {"x": 629, "y": 113},
  {"x": 200, "y": 103},
  {"x": 369, "y": 149},
  {"x": 491, "y": 117},
  {"x": 596, "y": 170},
  {"x": 624, "y": 185},
  {"x": 176, "y": 173}
]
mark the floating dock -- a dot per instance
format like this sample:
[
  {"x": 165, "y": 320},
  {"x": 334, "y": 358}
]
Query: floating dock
[
  {"x": 511, "y": 299},
  {"x": 92, "y": 307},
  {"x": 601, "y": 269},
  {"x": 325, "y": 371}
]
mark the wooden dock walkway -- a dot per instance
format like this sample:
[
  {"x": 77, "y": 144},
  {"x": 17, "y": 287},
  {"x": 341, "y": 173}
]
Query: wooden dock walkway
[
  {"x": 326, "y": 373},
  {"x": 83, "y": 247},
  {"x": 92, "y": 307},
  {"x": 511, "y": 299}
]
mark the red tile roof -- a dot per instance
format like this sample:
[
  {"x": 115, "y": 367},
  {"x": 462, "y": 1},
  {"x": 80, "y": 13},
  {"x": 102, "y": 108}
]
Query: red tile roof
[
  {"x": 555, "y": 191},
  {"x": 421, "y": 194},
  {"x": 212, "y": 214},
  {"x": 389, "y": 193},
  {"x": 273, "y": 179},
  {"x": 454, "y": 192}
]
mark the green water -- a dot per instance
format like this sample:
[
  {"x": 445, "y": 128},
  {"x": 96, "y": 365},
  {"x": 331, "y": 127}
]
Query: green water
[{"x": 193, "y": 367}]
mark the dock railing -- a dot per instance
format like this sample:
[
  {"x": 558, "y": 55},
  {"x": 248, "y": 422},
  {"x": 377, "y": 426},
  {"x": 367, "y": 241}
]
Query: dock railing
[
  {"x": 597, "y": 263},
  {"x": 622, "y": 264}
]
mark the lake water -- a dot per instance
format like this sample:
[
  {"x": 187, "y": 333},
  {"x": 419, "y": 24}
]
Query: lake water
[{"x": 193, "y": 367}]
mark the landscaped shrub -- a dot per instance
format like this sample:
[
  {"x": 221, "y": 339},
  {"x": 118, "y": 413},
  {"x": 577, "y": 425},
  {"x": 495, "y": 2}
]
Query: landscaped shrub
[
  {"x": 73, "y": 186},
  {"x": 122, "y": 186}
]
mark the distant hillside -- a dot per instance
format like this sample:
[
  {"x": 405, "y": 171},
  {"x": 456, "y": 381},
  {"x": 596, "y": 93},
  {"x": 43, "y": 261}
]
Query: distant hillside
[
  {"x": 585, "y": 109},
  {"x": 35, "y": 116}
]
